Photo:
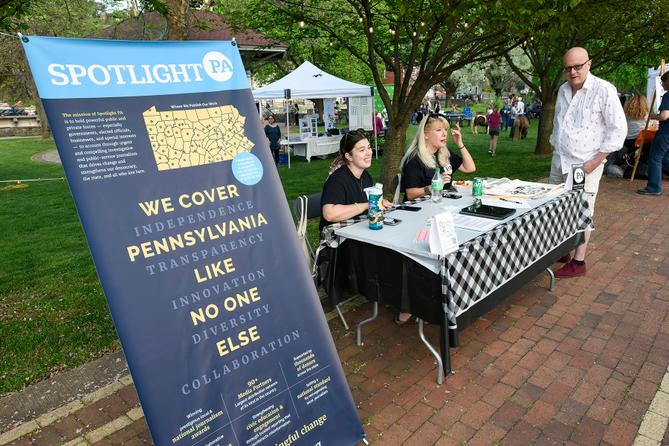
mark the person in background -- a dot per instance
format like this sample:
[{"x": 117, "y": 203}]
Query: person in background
[
  {"x": 589, "y": 124},
  {"x": 273, "y": 134},
  {"x": 428, "y": 152},
  {"x": 384, "y": 117},
  {"x": 636, "y": 112},
  {"x": 378, "y": 125},
  {"x": 520, "y": 106},
  {"x": 659, "y": 149},
  {"x": 437, "y": 106},
  {"x": 505, "y": 114},
  {"x": 494, "y": 121},
  {"x": 513, "y": 112},
  {"x": 296, "y": 111},
  {"x": 344, "y": 194},
  {"x": 454, "y": 108},
  {"x": 490, "y": 109}
]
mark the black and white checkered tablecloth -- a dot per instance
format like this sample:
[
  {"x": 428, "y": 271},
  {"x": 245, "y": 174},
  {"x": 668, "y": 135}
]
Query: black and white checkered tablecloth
[
  {"x": 487, "y": 262},
  {"x": 484, "y": 264}
]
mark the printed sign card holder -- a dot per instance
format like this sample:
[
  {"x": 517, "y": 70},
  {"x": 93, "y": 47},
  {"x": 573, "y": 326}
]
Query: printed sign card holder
[
  {"x": 578, "y": 177},
  {"x": 443, "y": 239}
]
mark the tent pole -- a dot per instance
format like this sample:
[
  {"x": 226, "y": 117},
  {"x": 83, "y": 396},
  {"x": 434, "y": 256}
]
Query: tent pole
[
  {"x": 377, "y": 132},
  {"x": 288, "y": 131}
]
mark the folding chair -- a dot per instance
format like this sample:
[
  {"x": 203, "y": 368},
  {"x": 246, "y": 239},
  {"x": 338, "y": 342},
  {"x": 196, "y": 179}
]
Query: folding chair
[
  {"x": 467, "y": 114},
  {"x": 306, "y": 207}
]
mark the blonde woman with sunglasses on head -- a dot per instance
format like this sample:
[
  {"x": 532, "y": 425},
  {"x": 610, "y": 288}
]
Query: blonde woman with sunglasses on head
[{"x": 428, "y": 152}]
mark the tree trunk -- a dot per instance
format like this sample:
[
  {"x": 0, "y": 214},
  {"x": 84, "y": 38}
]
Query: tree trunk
[
  {"x": 177, "y": 19},
  {"x": 543, "y": 147},
  {"x": 45, "y": 130},
  {"x": 393, "y": 150}
]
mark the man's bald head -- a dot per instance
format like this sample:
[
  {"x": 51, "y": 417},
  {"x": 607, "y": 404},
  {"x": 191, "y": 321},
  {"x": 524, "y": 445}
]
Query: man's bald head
[{"x": 576, "y": 64}]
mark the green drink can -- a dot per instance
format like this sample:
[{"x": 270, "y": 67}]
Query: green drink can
[{"x": 477, "y": 187}]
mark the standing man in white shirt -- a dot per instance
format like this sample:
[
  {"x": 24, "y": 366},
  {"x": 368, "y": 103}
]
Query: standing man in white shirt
[
  {"x": 520, "y": 106},
  {"x": 589, "y": 124}
]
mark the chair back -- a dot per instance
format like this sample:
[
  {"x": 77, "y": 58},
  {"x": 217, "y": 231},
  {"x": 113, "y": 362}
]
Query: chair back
[
  {"x": 467, "y": 113},
  {"x": 306, "y": 207},
  {"x": 645, "y": 137},
  {"x": 395, "y": 187}
]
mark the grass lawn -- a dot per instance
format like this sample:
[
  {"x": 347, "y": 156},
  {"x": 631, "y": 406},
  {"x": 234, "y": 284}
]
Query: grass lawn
[{"x": 53, "y": 314}]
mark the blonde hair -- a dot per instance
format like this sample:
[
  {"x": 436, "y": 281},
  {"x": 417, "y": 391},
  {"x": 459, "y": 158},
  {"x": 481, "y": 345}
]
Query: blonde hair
[
  {"x": 419, "y": 148},
  {"x": 636, "y": 107}
]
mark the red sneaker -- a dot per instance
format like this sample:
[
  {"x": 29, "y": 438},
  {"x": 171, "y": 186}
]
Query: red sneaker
[
  {"x": 565, "y": 258},
  {"x": 571, "y": 269}
]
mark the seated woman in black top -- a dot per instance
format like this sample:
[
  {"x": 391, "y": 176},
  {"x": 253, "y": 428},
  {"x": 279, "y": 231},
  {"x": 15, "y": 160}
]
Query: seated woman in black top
[
  {"x": 427, "y": 152},
  {"x": 343, "y": 193}
]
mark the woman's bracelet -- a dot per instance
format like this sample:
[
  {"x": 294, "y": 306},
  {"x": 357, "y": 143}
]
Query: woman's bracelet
[
  {"x": 462, "y": 147},
  {"x": 357, "y": 206}
]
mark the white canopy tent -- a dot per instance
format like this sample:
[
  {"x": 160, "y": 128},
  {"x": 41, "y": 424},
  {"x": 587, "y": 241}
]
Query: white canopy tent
[
  {"x": 310, "y": 82},
  {"x": 307, "y": 82}
]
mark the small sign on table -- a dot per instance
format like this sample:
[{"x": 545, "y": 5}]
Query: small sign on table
[
  {"x": 443, "y": 238},
  {"x": 578, "y": 177}
]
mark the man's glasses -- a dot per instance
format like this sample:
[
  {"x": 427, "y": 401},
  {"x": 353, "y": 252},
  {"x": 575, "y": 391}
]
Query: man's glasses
[{"x": 575, "y": 67}]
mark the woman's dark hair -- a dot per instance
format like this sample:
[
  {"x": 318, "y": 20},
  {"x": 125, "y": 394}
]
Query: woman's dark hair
[
  {"x": 346, "y": 144},
  {"x": 664, "y": 77}
]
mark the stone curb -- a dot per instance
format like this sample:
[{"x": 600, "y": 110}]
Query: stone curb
[
  {"x": 104, "y": 431},
  {"x": 63, "y": 411},
  {"x": 654, "y": 424}
]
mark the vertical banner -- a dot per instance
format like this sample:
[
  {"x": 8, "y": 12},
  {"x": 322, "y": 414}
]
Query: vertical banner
[
  {"x": 361, "y": 112},
  {"x": 329, "y": 113},
  {"x": 193, "y": 242}
]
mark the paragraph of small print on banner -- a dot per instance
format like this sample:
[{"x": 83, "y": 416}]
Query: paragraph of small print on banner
[{"x": 193, "y": 242}]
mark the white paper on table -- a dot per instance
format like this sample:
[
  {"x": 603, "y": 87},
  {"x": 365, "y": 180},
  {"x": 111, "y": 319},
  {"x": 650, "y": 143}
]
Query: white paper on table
[
  {"x": 524, "y": 190},
  {"x": 506, "y": 203},
  {"x": 474, "y": 223},
  {"x": 443, "y": 238}
]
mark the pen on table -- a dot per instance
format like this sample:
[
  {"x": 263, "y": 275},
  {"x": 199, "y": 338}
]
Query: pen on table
[{"x": 510, "y": 201}]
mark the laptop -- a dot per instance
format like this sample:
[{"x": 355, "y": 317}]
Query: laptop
[{"x": 487, "y": 211}]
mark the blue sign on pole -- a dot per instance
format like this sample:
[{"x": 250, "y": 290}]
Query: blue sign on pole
[{"x": 193, "y": 242}]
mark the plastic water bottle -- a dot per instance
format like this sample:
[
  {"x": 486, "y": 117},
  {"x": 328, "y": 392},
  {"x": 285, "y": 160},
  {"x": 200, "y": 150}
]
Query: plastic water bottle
[
  {"x": 437, "y": 186},
  {"x": 375, "y": 212}
]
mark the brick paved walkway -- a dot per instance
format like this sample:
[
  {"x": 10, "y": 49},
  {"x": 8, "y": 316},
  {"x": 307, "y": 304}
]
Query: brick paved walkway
[{"x": 579, "y": 366}]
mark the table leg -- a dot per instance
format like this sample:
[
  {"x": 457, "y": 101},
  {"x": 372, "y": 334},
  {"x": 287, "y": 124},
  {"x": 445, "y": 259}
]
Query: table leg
[
  {"x": 453, "y": 338},
  {"x": 444, "y": 343},
  {"x": 440, "y": 361},
  {"x": 367, "y": 321},
  {"x": 552, "y": 279}
]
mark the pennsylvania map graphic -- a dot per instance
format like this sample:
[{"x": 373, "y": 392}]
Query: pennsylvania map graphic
[{"x": 187, "y": 138}]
